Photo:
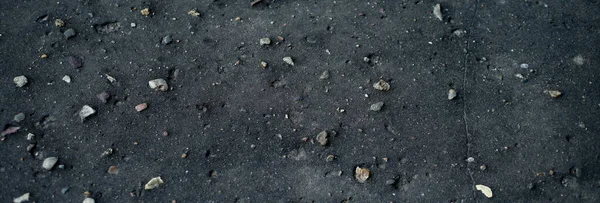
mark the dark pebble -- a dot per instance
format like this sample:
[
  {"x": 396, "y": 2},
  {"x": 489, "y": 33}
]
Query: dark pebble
[
  {"x": 69, "y": 33},
  {"x": 75, "y": 62}
]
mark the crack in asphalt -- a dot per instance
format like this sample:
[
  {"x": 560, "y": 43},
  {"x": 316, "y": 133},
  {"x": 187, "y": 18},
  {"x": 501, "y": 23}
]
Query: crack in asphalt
[{"x": 465, "y": 83}]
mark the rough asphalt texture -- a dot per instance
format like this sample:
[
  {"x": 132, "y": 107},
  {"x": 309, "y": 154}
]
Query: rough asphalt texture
[{"x": 249, "y": 132}]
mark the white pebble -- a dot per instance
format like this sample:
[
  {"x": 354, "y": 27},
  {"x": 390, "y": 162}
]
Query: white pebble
[
  {"x": 265, "y": 41},
  {"x": 85, "y": 112},
  {"x": 49, "y": 163},
  {"x": 158, "y": 84},
  {"x": 288, "y": 60},
  {"x": 20, "y": 81},
  {"x": 437, "y": 12},
  {"x": 89, "y": 200},
  {"x": 67, "y": 79},
  {"x": 22, "y": 198},
  {"x": 451, "y": 94}
]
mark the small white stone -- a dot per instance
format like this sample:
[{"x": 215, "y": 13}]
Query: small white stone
[
  {"x": 265, "y": 41},
  {"x": 451, "y": 94},
  {"x": 133, "y": 25},
  {"x": 85, "y": 112},
  {"x": 470, "y": 159},
  {"x": 153, "y": 183},
  {"x": 487, "y": 191},
  {"x": 89, "y": 200},
  {"x": 67, "y": 79},
  {"x": 437, "y": 12},
  {"x": 49, "y": 163},
  {"x": 20, "y": 81},
  {"x": 158, "y": 84},
  {"x": 288, "y": 60},
  {"x": 22, "y": 198}
]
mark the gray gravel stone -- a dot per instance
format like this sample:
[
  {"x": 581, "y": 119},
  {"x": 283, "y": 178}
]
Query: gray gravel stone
[
  {"x": 69, "y": 33},
  {"x": 322, "y": 138},
  {"x": 20, "y": 81},
  {"x": 19, "y": 117},
  {"x": 167, "y": 40},
  {"x": 89, "y": 200},
  {"x": 158, "y": 84},
  {"x": 451, "y": 94},
  {"x": 49, "y": 163},
  {"x": 324, "y": 75},
  {"x": 85, "y": 112},
  {"x": 376, "y": 106},
  {"x": 265, "y": 41}
]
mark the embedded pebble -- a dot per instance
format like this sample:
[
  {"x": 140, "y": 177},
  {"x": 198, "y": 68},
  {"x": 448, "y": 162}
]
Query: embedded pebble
[
  {"x": 145, "y": 12},
  {"x": 103, "y": 97},
  {"x": 22, "y": 198},
  {"x": 194, "y": 12},
  {"x": 361, "y": 174},
  {"x": 89, "y": 200},
  {"x": 113, "y": 170},
  {"x": 59, "y": 23},
  {"x": 141, "y": 107},
  {"x": 451, "y": 94},
  {"x": 324, "y": 75},
  {"x": 19, "y": 117},
  {"x": 390, "y": 182},
  {"x": 524, "y": 66},
  {"x": 158, "y": 84},
  {"x": 553, "y": 93},
  {"x": 75, "y": 62},
  {"x": 382, "y": 85},
  {"x": 322, "y": 138},
  {"x": 67, "y": 79},
  {"x": 167, "y": 40},
  {"x": 49, "y": 163},
  {"x": 265, "y": 41},
  {"x": 437, "y": 12},
  {"x": 69, "y": 33},
  {"x": 288, "y": 60},
  {"x": 263, "y": 64},
  {"x": 20, "y": 81},
  {"x": 10, "y": 130},
  {"x": 487, "y": 191},
  {"x": 85, "y": 112},
  {"x": 376, "y": 106},
  {"x": 153, "y": 183},
  {"x": 578, "y": 60}
]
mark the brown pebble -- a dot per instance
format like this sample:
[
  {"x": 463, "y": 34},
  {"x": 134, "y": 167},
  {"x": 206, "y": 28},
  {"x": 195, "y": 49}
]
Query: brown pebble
[
  {"x": 113, "y": 170},
  {"x": 361, "y": 174},
  {"x": 141, "y": 107},
  {"x": 184, "y": 155},
  {"x": 145, "y": 12}
]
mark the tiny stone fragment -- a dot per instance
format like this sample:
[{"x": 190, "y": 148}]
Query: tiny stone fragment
[
  {"x": 265, "y": 41},
  {"x": 75, "y": 62},
  {"x": 153, "y": 183},
  {"x": 20, "y": 81},
  {"x": 10, "y": 130},
  {"x": 578, "y": 60},
  {"x": 111, "y": 79},
  {"x": 194, "y": 12},
  {"x": 107, "y": 152},
  {"x": 113, "y": 170},
  {"x": 553, "y": 93},
  {"x": 89, "y": 200},
  {"x": 263, "y": 64},
  {"x": 361, "y": 174},
  {"x": 59, "y": 23},
  {"x": 487, "y": 191},
  {"x": 19, "y": 117},
  {"x": 166, "y": 40},
  {"x": 49, "y": 163},
  {"x": 288, "y": 60},
  {"x": 376, "y": 106},
  {"x": 322, "y": 138},
  {"x": 390, "y": 182},
  {"x": 69, "y": 33},
  {"x": 141, "y": 107},
  {"x": 158, "y": 84},
  {"x": 85, "y": 112},
  {"x": 103, "y": 97},
  {"x": 451, "y": 94},
  {"x": 324, "y": 75},
  {"x": 67, "y": 79},
  {"x": 330, "y": 158},
  {"x": 145, "y": 12},
  {"x": 22, "y": 198},
  {"x": 382, "y": 85},
  {"x": 437, "y": 12}
]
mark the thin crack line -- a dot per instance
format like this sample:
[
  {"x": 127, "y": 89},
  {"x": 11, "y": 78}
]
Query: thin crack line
[{"x": 465, "y": 83}]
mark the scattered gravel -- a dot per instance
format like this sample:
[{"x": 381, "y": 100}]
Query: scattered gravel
[
  {"x": 288, "y": 60},
  {"x": 265, "y": 41},
  {"x": 49, "y": 163},
  {"x": 141, "y": 107},
  {"x": 69, "y": 33},
  {"x": 376, "y": 106},
  {"x": 67, "y": 79},
  {"x": 382, "y": 85},
  {"x": 158, "y": 84},
  {"x": 361, "y": 174},
  {"x": 20, "y": 81},
  {"x": 19, "y": 117},
  {"x": 322, "y": 138},
  {"x": 153, "y": 183},
  {"x": 85, "y": 112},
  {"x": 451, "y": 94},
  {"x": 324, "y": 75}
]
